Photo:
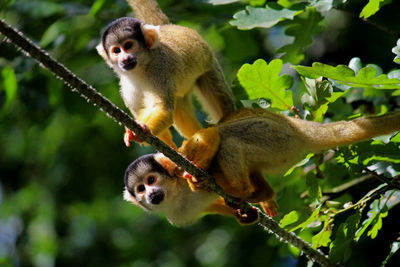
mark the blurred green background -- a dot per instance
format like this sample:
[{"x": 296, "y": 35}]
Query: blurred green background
[{"x": 62, "y": 161}]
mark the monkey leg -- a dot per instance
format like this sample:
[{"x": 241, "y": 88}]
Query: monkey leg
[
  {"x": 200, "y": 149},
  {"x": 214, "y": 94},
  {"x": 185, "y": 120},
  {"x": 166, "y": 137},
  {"x": 231, "y": 172},
  {"x": 264, "y": 194},
  {"x": 243, "y": 218}
]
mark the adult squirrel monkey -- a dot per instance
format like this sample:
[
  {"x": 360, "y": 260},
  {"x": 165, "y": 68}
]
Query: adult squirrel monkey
[
  {"x": 159, "y": 66},
  {"x": 237, "y": 152}
]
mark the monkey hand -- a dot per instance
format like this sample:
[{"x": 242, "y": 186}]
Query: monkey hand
[
  {"x": 249, "y": 217},
  {"x": 196, "y": 184},
  {"x": 131, "y": 136}
]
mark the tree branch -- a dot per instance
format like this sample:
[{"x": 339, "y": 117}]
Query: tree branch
[{"x": 91, "y": 95}]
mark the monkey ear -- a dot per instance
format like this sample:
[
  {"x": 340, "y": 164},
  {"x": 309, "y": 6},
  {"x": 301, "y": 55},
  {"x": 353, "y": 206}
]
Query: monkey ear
[
  {"x": 103, "y": 54},
  {"x": 151, "y": 35},
  {"x": 101, "y": 51},
  {"x": 128, "y": 197}
]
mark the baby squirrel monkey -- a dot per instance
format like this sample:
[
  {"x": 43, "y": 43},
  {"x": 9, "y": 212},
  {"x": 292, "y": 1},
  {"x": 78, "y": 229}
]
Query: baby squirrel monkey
[
  {"x": 159, "y": 67},
  {"x": 236, "y": 152}
]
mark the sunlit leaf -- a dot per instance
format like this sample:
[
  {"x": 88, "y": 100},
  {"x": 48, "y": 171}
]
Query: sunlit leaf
[
  {"x": 10, "y": 85},
  {"x": 97, "y": 5},
  {"x": 371, "y": 8},
  {"x": 366, "y": 77},
  {"x": 261, "y": 17},
  {"x": 378, "y": 211},
  {"x": 289, "y": 218},
  {"x": 313, "y": 217},
  {"x": 262, "y": 80},
  {"x": 323, "y": 238}
]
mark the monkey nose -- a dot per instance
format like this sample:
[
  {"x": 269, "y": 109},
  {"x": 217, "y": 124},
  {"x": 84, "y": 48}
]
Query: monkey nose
[
  {"x": 128, "y": 63},
  {"x": 156, "y": 197}
]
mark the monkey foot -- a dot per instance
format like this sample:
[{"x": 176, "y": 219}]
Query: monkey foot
[
  {"x": 248, "y": 217},
  {"x": 270, "y": 207},
  {"x": 131, "y": 136},
  {"x": 196, "y": 184}
]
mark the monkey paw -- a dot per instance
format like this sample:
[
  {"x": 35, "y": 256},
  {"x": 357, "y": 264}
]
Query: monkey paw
[
  {"x": 270, "y": 207},
  {"x": 131, "y": 136},
  {"x": 249, "y": 217},
  {"x": 196, "y": 184}
]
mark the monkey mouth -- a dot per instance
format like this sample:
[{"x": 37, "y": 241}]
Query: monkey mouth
[{"x": 128, "y": 64}]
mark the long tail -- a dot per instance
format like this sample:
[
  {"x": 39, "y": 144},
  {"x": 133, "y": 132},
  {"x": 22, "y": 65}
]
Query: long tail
[
  {"x": 148, "y": 11},
  {"x": 329, "y": 135}
]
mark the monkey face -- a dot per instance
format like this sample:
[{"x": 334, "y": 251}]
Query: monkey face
[
  {"x": 124, "y": 41},
  {"x": 124, "y": 54},
  {"x": 148, "y": 185}
]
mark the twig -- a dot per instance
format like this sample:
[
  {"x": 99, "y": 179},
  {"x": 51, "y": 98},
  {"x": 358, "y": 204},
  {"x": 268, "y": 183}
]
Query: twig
[
  {"x": 370, "y": 196},
  {"x": 393, "y": 183},
  {"x": 91, "y": 95},
  {"x": 370, "y": 22}
]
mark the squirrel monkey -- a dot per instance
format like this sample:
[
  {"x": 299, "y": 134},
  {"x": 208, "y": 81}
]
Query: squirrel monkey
[
  {"x": 159, "y": 67},
  {"x": 236, "y": 152}
]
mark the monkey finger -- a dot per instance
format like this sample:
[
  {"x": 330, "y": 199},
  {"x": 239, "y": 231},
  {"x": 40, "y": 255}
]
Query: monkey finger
[
  {"x": 128, "y": 136},
  {"x": 144, "y": 127}
]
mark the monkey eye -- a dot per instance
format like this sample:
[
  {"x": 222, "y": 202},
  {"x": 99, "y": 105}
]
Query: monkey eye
[
  {"x": 151, "y": 180},
  {"x": 128, "y": 45},
  {"x": 140, "y": 188},
  {"x": 116, "y": 50}
]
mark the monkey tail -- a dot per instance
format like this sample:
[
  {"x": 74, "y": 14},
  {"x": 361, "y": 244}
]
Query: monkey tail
[
  {"x": 148, "y": 11},
  {"x": 329, "y": 135}
]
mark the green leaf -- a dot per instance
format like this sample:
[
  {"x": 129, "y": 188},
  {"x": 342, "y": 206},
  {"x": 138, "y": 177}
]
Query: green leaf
[
  {"x": 53, "y": 32},
  {"x": 96, "y": 7},
  {"x": 289, "y": 218},
  {"x": 261, "y": 17},
  {"x": 340, "y": 247},
  {"x": 262, "y": 80},
  {"x": 323, "y": 238},
  {"x": 366, "y": 77},
  {"x": 394, "y": 247},
  {"x": 318, "y": 91},
  {"x": 375, "y": 215},
  {"x": 10, "y": 85},
  {"x": 314, "y": 216},
  {"x": 396, "y": 50},
  {"x": 303, "y": 27},
  {"x": 314, "y": 190},
  {"x": 371, "y": 8}
]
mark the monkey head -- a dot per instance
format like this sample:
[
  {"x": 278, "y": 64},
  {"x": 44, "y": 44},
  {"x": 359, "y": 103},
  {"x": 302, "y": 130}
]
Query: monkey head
[
  {"x": 154, "y": 183},
  {"x": 148, "y": 184},
  {"x": 124, "y": 41}
]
